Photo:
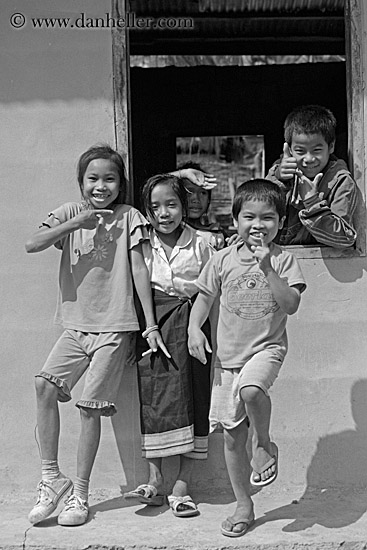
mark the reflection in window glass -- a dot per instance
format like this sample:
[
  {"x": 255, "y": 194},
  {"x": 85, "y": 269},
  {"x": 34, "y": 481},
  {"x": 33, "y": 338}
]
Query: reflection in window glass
[{"x": 231, "y": 159}]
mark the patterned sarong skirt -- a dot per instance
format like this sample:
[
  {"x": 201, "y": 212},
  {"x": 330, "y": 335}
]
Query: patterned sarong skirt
[{"x": 174, "y": 393}]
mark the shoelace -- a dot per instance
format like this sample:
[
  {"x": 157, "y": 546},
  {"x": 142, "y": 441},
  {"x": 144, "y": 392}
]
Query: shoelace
[
  {"x": 42, "y": 491},
  {"x": 75, "y": 502}
]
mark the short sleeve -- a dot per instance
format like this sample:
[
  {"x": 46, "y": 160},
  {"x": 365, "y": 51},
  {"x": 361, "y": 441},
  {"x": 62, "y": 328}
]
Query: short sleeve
[
  {"x": 58, "y": 216},
  {"x": 288, "y": 268},
  {"x": 209, "y": 281},
  {"x": 139, "y": 228}
]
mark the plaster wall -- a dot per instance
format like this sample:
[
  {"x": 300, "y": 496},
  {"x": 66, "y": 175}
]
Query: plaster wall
[{"x": 55, "y": 101}]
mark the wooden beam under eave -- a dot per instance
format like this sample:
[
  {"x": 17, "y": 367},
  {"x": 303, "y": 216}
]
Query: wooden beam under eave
[
  {"x": 242, "y": 46},
  {"x": 121, "y": 92}
]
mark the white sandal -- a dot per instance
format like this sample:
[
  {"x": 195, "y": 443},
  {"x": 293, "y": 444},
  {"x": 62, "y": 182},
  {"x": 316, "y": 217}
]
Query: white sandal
[
  {"x": 176, "y": 502},
  {"x": 146, "y": 494}
]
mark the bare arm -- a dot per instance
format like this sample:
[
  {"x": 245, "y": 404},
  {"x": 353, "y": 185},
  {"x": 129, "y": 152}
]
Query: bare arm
[
  {"x": 208, "y": 181},
  {"x": 142, "y": 284},
  {"x": 287, "y": 297},
  {"x": 47, "y": 236},
  {"x": 197, "y": 342}
]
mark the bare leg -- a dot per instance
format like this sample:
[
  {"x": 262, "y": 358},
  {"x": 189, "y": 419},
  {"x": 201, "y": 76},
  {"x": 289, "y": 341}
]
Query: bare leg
[
  {"x": 90, "y": 434},
  {"x": 48, "y": 419},
  {"x": 155, "y": 474},
  {"x": 76, "y": 507},
  {"x": 238, "y": 467},
  {"x": 54, "y": 485},
  {"x": 181, "y": 487},
  {"x": 258, "y": 407},
  {"x": 146, "y": 495}
]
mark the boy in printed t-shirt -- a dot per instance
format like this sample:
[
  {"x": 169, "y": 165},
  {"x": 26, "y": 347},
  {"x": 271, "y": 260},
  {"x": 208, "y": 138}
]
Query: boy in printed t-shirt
[{"x": 259, "y": 285}]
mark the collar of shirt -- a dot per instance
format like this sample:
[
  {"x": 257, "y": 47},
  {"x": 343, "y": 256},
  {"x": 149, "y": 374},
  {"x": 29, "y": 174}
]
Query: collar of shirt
[{"x": 184, "y": 239}]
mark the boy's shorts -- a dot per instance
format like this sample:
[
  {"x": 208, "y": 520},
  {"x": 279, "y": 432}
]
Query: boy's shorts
[
  {"x": 227, "y": 408},
  {"x": 101, "y": 355}
]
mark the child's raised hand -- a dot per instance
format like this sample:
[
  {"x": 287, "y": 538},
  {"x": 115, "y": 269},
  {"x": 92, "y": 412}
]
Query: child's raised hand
[
  {"x": 233, "y": 239},
  {"x": 288, "y": 166},
  {"x": 197, "y": 344},
  {"x": 89, "y": 219},
  {"x": 262, "y": 255},
  {"x": 155, "y": 341},
  {"x": 207, "y": 181},
  {"x": 308, "y": 188}
]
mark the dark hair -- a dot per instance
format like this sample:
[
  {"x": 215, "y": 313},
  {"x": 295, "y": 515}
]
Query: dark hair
[
  {"x": 103, "y": 151},
  {"x": 175, "y": 183},
  {"x": 259, "y": 190},
  {"x": 310, "y": 119}
]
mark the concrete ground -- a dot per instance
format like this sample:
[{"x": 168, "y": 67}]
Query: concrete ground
[{"x": 286, "y": 519}]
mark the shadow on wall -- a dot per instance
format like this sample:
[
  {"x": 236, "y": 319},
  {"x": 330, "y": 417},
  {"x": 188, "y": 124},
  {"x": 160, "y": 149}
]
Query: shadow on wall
[{"x": 335, "y": 495}]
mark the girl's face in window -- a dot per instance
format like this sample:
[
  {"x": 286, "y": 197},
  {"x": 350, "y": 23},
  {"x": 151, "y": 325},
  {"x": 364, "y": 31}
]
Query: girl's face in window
[
  {"x": 198, "y": 200},
  {"x": 311, "y": 152}
]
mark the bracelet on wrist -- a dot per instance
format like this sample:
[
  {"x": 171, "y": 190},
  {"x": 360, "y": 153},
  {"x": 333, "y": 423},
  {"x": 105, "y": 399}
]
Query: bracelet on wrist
[{"x": 148, "y": 330}]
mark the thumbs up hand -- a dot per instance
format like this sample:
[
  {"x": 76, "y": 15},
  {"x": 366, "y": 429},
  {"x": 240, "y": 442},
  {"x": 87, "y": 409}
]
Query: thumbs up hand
[{"x": 288, "y": 167}]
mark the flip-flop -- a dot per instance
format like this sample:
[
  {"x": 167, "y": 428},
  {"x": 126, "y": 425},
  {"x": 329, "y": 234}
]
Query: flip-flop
[
  {"x": 257, "y": 469},
  {"x": 146, "y": 494},
  {"x": 187, "y": 501},
  {"x": 248, "y": 523}
]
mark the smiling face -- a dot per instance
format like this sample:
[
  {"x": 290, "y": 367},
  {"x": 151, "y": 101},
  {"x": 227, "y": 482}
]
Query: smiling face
[
  {"x": 257, "y": 219},
  {"x": 198, "y": 200},
  {"x": 311, "y": 152},
  {"x": 101, "y": 183},
  {"x": 167, "y": 209}
]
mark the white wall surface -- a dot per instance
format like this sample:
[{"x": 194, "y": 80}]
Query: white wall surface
[{"x": 56, "y": 101}]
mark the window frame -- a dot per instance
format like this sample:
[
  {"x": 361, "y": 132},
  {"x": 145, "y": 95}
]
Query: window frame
[{"x": 355, "y": 17}]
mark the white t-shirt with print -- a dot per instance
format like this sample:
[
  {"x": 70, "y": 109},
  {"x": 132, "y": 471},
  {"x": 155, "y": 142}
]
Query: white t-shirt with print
[{"x": 250, "y": 320}]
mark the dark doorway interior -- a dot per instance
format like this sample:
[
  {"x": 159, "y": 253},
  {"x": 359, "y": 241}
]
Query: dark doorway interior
[{"x": 204, "y": 101}]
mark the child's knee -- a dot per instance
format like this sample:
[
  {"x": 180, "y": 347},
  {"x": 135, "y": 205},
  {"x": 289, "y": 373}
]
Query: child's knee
[
  {"x": 45, "y": 389},
  {"x": 89, "y": 414},
  {"x": 229, "y": 439},
  {"x": 252, "y": 394},
  {"x": 236, "y": 438}
]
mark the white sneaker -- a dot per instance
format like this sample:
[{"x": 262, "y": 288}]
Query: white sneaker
[
  {"x": 49, "y": 495},
  {"x": 75, "y": 512}
]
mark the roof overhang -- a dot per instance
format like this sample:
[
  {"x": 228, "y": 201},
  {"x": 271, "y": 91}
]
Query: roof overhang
[{"x": 240, "y": 27}]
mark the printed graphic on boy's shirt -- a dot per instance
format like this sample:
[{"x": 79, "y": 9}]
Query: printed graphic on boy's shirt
[{"x": 249, "y": 296}]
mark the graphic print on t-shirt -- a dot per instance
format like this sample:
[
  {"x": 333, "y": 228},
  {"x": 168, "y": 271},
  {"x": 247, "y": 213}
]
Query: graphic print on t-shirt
[
  {"x": 96, "y": 249},
  {"x": 249, "y": 296}
]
